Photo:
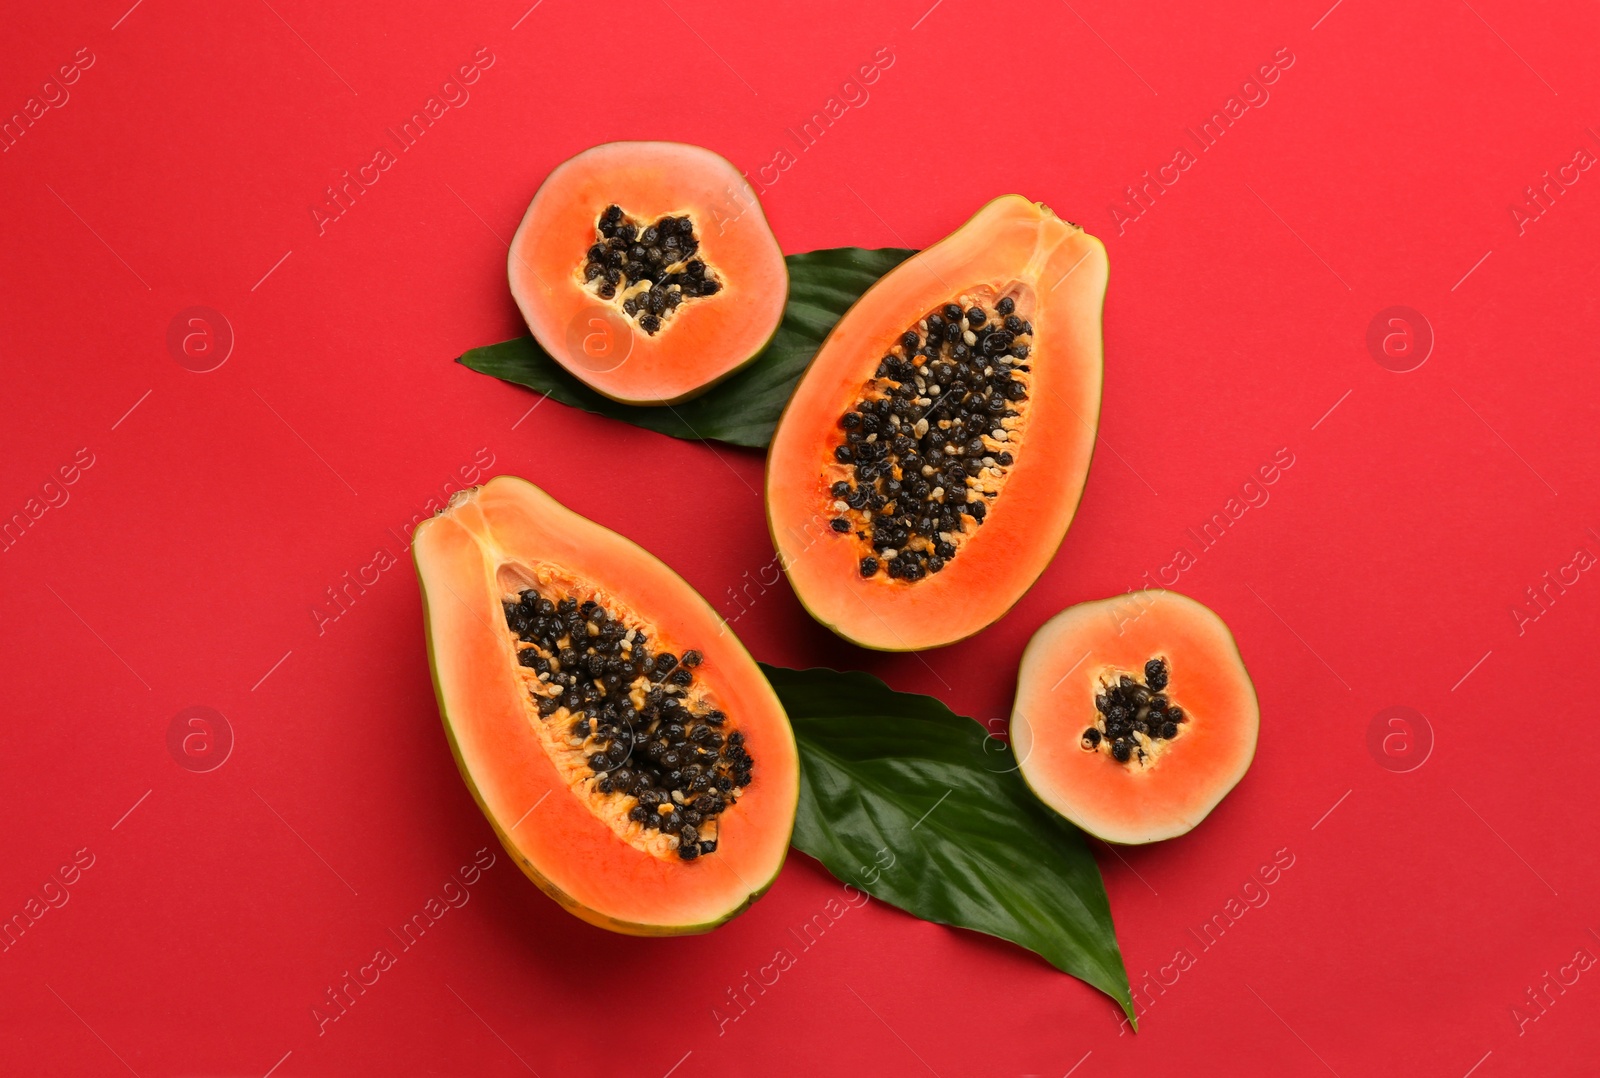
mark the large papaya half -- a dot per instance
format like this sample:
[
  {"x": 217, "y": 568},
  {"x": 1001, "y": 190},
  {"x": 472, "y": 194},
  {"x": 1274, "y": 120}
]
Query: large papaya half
[
  {"x": 1134, "y": 715},
  {"x": 627, "y": 750},
  {"x": 926, "y": 468},
  {"x": 648, "y": 271}
]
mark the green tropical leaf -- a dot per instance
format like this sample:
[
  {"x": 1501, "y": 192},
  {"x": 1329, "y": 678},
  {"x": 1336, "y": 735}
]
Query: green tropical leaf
[
  {"x": 919, "y": 807},
  {"x": 744, "y": 409}
]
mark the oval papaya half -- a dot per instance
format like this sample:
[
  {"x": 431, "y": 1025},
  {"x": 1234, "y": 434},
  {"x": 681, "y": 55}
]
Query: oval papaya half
[
  {"x": 1134, "y": 715},
  {"x": 928, "y": 465},
  {"x": 627, "y": 750},
  {"x": 648, "y": 270}
]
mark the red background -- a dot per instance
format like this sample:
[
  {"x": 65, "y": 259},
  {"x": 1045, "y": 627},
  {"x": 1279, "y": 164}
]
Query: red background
[{"x": 1383, "y": 571}]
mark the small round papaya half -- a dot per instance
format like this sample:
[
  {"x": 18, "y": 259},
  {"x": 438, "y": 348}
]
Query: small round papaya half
[
  {"x": 927, "y": 467},
  {"x": 648, "y": 270},
  {"x": 627, "y": 750},
  {"x": 1135, "y": 715}
]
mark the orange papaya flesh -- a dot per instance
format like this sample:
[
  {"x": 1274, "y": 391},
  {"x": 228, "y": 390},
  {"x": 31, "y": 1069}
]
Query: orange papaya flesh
[
  {"x": 1134, "y": 715},
  {"x": 622, "y": 743},
  {"x": 648, "y": 270},
  {"x": 932, "y": 457}
]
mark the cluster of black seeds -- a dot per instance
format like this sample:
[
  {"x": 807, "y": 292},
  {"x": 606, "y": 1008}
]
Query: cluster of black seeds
[
  {"x": 934, "y": 421},
  {"x": 662, "y": 254},
  {"x": 675, "y": 760},
  {"x": 1131, "y": 707}
]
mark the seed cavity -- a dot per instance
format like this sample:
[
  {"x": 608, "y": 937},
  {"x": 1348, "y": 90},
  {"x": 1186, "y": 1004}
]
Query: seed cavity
[
  {"x": 1134, "y": 717},
  {"x": 644, "y": 736},
  {"x": 932, "y": 437},
  {"x": 647, "y": 270}
]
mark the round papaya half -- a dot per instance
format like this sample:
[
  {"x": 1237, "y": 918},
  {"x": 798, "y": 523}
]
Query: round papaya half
[
  {"x": 648, "y": 270},
  {"x": 928, "y": 465},
  {"x": 1134, "y": 715},
  {"x": 627, "y": 750}
]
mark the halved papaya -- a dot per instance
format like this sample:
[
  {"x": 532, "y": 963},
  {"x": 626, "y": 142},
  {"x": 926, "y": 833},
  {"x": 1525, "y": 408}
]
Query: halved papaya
[
  {"x": 928, "y": 465},
  {"x": 1134, "y": 715},
  {"x": 627, "y": 750},
  {"x": 648, "y": 270}
]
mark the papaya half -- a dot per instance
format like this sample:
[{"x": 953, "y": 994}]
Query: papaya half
[
  {"x": 629, "y": 753},
  {"x": 1134, "y": 715},
  {"x": 648, "y": 270},
  {"x": 932, "y": 456}
]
